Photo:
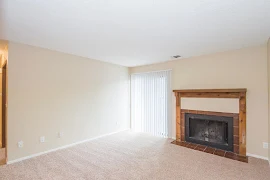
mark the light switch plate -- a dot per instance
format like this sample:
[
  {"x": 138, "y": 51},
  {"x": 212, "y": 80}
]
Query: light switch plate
[
  {"x": 60, "y": 134},
  {"x": 20, "y": 144},
  {"x": 265, "y": 145},
  {"x": 42, "y": 139}
]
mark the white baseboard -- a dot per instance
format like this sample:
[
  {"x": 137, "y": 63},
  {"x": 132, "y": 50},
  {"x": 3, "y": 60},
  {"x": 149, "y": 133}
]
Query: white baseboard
[
  {"x": 257, "y": 156},
  {"x": 62, "y": 147},
  {"x": 80, "y": 142}
]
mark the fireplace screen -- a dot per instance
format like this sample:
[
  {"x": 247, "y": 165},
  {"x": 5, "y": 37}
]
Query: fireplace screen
[{"x": 215, "y": 131}]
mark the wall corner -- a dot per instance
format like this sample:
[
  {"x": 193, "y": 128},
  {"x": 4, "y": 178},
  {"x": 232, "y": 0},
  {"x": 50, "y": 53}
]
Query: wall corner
[{"x": 268, "y": 70}]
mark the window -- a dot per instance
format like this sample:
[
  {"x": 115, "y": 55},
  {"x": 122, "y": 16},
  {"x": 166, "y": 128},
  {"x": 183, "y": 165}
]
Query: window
[{"x": 151, "y": 102}]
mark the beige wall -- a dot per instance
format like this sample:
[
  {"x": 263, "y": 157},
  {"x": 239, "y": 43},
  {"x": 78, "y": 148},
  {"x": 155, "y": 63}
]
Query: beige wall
[
  {"x": 224, "y": 105},
  {"x": 268, "y": 57},
  {"x": 51, "y": 92},
  {"x": 244, "y": 68}
]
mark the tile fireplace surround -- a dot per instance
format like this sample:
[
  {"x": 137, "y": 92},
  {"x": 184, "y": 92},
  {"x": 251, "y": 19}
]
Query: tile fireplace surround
[{"x": 239, "y": 120}]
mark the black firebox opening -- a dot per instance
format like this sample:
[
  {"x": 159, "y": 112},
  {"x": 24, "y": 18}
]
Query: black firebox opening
[{"x": 214, "y": 131}]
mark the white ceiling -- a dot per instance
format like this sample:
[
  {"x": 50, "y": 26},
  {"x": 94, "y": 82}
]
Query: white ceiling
[{"x": 136, "y": 32}]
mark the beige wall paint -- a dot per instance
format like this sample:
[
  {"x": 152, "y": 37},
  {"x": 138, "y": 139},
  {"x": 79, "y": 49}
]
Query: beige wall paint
[
  {"x": 51, "y": 92},
  {"x": 243, "y": 68},
  {"x": 268, "y": 59},
  {"x": 224, "y": 105}
]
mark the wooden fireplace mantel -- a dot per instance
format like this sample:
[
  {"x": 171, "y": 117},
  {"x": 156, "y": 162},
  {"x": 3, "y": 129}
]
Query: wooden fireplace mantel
[
  {"x": 210, "y": 93},
  {"x": 211, "y": 90},
  {"x": 215, "y": 93}
]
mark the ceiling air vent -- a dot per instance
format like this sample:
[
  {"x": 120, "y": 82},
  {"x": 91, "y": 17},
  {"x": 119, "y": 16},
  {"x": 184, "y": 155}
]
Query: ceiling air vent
[{"x": 176, "y": 56}]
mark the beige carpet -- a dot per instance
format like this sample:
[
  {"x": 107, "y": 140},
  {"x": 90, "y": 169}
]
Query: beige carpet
[{"x": 128, "y": 155}]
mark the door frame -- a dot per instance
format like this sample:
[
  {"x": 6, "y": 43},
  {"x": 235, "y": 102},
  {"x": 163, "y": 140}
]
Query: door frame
[{"x": 4, "y": 106}]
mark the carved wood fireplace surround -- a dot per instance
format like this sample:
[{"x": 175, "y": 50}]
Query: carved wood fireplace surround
[{"x": 239, "y": 120}]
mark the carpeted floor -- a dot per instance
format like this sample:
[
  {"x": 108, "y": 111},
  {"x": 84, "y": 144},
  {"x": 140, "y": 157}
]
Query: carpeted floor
[{"x": 128, "y": 155}]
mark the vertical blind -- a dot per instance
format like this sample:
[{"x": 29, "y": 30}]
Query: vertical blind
[{"x": 150, "y": 103}]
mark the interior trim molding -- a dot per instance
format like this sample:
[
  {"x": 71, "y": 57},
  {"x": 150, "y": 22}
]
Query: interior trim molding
[
  {"x": 257, "y": 156},
  {"x": 62, "y": 147}
]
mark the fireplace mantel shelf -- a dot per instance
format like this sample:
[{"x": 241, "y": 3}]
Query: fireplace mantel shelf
[{"x": 210, "y": 90}]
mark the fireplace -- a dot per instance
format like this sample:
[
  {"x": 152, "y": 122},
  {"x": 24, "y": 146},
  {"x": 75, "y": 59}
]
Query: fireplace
[
  {"x": 239, "y": 119},
  {"x": 221, "y": 133},
  {"x": 209, "y": 130}
]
